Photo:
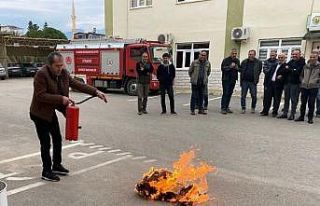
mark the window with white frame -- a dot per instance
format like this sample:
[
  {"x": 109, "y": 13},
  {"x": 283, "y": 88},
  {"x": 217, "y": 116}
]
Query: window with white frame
[
  {"x": 186, "y": 53},
  {"x": 140, "y": 3},
  {"x": 280, "y": 45}
]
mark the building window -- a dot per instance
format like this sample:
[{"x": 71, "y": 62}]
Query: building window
[
  {"x": 140, "y": 3},
  {"x": 186, "y": 53},
  {"x": 281, "y": 46}
]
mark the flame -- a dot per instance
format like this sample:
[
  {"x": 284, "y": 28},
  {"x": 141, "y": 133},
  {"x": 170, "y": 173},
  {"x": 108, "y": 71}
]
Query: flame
[{"x": 186, "y": 184}]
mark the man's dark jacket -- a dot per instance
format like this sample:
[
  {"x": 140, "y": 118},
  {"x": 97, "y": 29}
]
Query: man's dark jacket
[
  {"x": 256, "y": 70},
  {"x": 269, "y": 67},
  {"x": 166, "y": 74},
  {"x": 143, "y": 76},
  {"x": 228, "y": 73},
  {"x": 49, "y": 90},
  {"x": 294, "y": 71}
]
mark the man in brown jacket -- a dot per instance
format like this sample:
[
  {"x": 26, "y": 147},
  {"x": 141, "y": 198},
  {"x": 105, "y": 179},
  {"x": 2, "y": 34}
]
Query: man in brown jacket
[
  {"x": 310, "y": 83},
  {"x": 51, "y": 92}
]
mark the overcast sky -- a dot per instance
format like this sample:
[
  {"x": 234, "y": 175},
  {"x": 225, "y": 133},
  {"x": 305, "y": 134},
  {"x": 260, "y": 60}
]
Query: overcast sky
[{"x": 90, "y": 13}]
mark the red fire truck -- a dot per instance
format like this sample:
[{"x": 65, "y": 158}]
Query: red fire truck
[{"x": 111, "y": 63}]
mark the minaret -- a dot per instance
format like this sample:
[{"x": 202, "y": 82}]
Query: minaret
[{"x": 74, "y": 20}]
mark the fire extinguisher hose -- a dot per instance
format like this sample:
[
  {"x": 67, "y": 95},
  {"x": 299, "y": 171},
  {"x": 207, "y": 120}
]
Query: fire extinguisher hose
[{"x": 85, "y": 100}]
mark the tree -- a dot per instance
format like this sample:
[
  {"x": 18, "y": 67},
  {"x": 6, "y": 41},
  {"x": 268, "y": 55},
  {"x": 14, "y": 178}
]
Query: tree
[
  {"x": 53, "y": 33},
  {"x": 34, "y": 31}
]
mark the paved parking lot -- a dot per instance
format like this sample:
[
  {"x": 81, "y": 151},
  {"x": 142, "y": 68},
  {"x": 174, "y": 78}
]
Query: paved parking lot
[{"x": 260, "y": 161}]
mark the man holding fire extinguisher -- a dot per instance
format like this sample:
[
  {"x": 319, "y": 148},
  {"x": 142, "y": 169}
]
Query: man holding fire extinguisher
[{"x": 51, "y": 92}]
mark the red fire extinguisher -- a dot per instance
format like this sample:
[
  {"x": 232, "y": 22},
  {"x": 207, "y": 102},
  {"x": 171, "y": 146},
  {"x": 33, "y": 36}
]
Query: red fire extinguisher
[{"x": 72, "y": 121}]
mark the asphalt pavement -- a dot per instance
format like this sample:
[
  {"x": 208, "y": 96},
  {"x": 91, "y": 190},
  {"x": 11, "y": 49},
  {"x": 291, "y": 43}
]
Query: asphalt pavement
[{"x": 261, "y": 161}]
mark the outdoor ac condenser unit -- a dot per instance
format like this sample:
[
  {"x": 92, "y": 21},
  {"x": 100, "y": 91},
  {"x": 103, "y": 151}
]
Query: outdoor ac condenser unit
[
  {"x": 168, "y": 38},
  {"x": 240, "y": 33},
  {"x": 313, "y": 23}
]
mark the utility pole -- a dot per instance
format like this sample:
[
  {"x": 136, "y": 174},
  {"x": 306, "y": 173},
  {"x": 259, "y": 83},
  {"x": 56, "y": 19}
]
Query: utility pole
[{"x": 74, "y": 20}]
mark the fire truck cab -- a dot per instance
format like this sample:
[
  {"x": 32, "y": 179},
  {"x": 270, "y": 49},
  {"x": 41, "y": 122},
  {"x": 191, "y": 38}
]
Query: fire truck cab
[{"x": 111, "y": 63}]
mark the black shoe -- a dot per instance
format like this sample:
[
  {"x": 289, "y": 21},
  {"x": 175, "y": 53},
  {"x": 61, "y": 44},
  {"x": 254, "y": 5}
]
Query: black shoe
[
  {"x": 283, "y": 116},
  {"x": 229, "y": 111},
  {"x": 139, "y": 113},
  {"x": 291, "y": 117},
  {"x": 50, "y": 176},
  {"x": 263, "y": 113},
  {"x": 60, "y": 170},
  {"x": 163, "y": 112},
  {"x": 193, "y": 113},
  {"x": 299, "y": 119},
  {"x": 205, "y": 108},
  {"x": 274, "y": 115},
  {"x": 224, "y": 112},
  {"x": 310, "y": 121},
  {"x": 144, "y": 112},
  {"x": 202, "y": 112},
  {"x": 174, "y": 113}
]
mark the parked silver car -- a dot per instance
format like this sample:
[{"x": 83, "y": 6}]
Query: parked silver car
[{"x": 3, "y": 72}]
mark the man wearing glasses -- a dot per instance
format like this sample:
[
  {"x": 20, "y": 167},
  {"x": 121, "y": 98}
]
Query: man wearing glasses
[
  {"x": 199, "y": 72},
  {"x": 273, "y": 83}
]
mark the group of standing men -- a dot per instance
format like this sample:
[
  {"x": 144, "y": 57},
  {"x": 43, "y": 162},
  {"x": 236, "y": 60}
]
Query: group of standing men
[
  {"x": 291, "y": 78},
  {"x": 295, "y": 77}
]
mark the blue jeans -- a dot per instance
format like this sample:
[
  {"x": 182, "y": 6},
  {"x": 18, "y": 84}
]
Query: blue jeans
[
  {"x": 245, "y": 86},
  {"x": 197, "y": 97},
  {"x": 318, "y": 102},
  {"x": 228, "y": 87}
]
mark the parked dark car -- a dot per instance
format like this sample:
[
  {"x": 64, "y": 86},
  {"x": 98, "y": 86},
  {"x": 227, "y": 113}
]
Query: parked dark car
[
  {"x": 22, "y": 70},
  {"x": 15, "y": 70},
  {"x": 30, "y": 69}
]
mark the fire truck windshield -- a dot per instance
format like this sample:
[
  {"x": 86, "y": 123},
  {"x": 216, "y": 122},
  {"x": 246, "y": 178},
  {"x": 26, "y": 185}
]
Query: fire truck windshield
[{"x": 157, "y": 52}]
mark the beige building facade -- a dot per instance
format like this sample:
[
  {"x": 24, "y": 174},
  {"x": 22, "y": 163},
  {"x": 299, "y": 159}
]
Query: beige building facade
[{"x": 194, "y": 25}]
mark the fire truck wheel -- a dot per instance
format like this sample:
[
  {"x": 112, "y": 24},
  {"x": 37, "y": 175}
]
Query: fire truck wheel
[{"x": 131, "y": 87}]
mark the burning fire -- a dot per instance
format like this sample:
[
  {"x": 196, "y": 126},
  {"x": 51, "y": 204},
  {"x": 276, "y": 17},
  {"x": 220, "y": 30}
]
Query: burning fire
[{"x": 186, "y": 185}]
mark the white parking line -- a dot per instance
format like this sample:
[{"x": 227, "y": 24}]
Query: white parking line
[
  {"x": 139, "y": 158},
  {"x": 2, "y": 176},
  {"x": 36, "y": 154},
  {"x": 123, "y": 154},
  {"x": 217, "y": 98},
  {"x": 115, "y": 150},
  {"x": 38, "y": 184},
  {"x": 105, "y": 148},
  {"x": 150, "y": 161},
  {"x": 96, "y": 146},
  {"x": 25, "y": 188}
]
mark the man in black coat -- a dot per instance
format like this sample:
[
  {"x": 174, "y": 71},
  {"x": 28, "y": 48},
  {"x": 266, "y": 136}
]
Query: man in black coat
[
  {"x": 292, "y": 84},
  {"x": 166, "y": 74},
  {"x": 273, "y": 84},
  {"x": 229, "y": 67},
  {"x": 250, "y": 70}
]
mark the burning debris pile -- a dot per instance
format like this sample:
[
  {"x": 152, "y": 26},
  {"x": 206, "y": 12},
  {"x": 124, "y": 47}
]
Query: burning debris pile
[{"x": 186, "y": 185}]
